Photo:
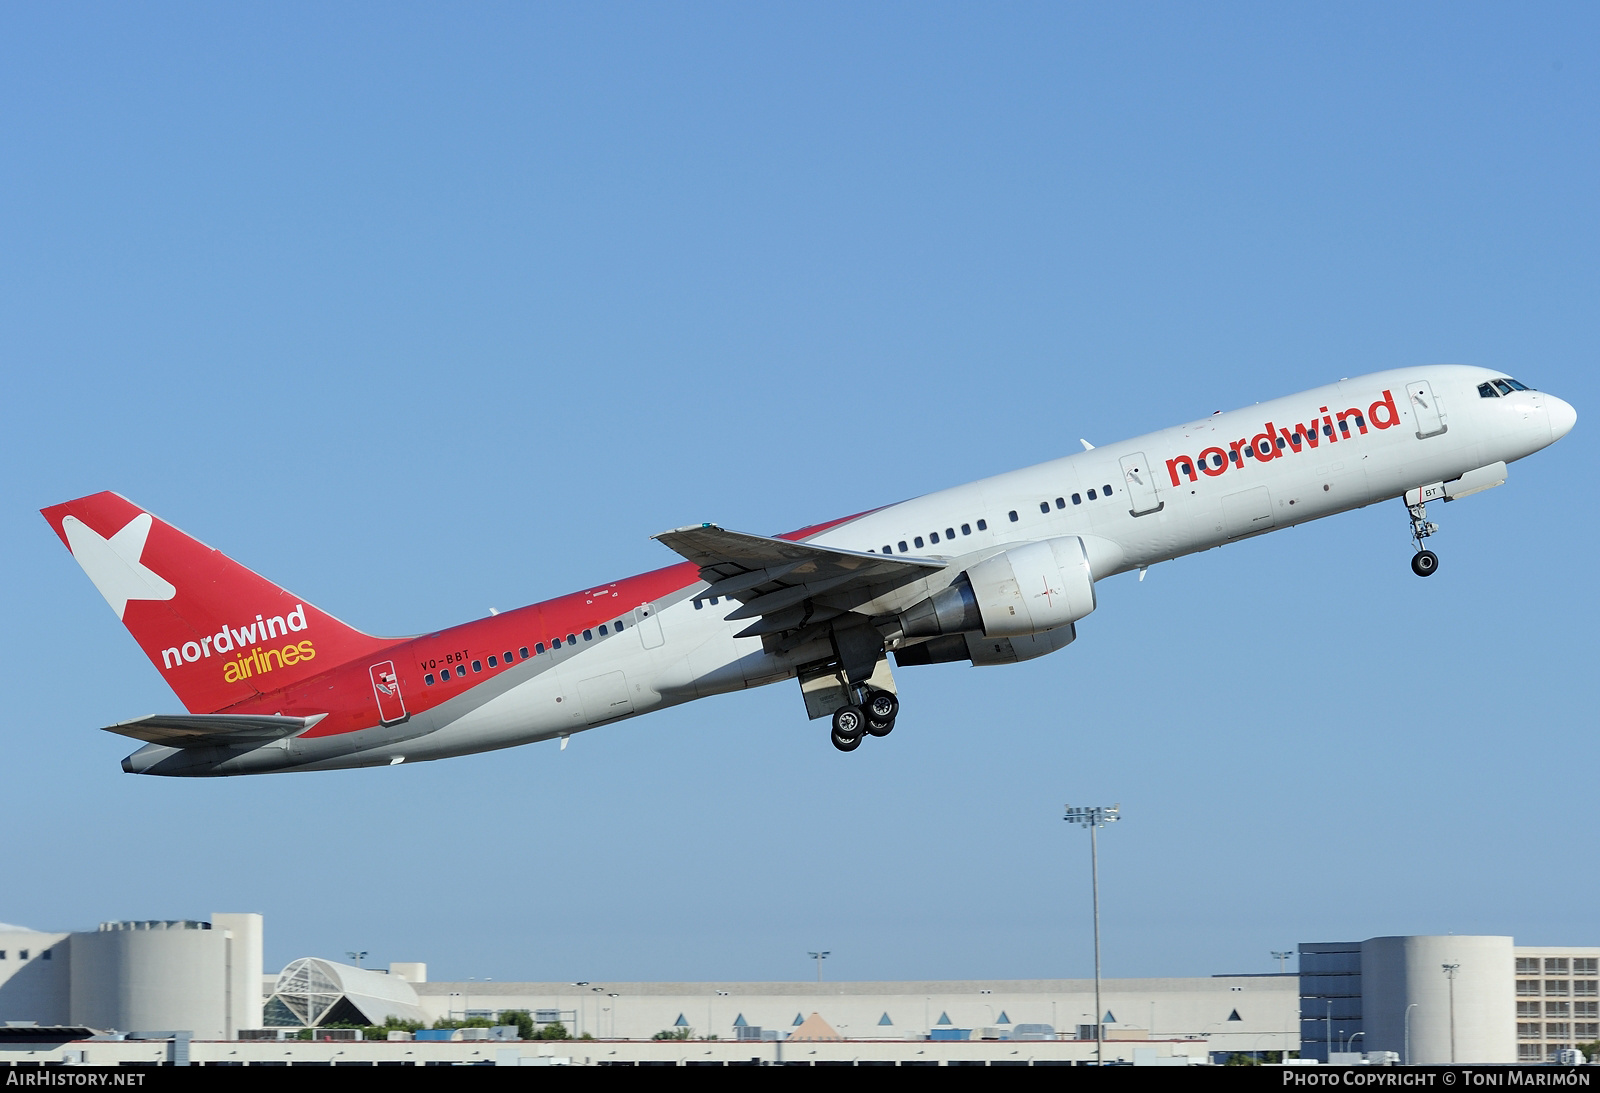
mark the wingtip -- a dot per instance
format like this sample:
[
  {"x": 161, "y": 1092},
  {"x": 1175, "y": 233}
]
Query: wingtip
[{"x": 687, "y": 527}]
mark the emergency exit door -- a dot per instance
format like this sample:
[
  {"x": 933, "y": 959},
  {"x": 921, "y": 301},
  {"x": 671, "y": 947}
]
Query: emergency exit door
[
  {"x": 1430, "y": 420},
  {"x": 386, "y": 688},
  {"x": 1141, "y": 483}
]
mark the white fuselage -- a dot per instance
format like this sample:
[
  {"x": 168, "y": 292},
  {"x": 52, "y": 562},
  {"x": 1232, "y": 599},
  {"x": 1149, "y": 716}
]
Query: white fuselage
[{"x": 1162, "y": 505}]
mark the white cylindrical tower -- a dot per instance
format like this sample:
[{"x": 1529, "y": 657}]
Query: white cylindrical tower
[
  {"x": 152, "y": 976},
  {"x": 1460, "y": 992},
  {"x": 244, "y": 973}
]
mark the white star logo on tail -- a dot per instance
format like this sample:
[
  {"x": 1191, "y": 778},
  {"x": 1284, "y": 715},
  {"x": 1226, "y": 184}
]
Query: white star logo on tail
[{"x": 113, "y": 564}]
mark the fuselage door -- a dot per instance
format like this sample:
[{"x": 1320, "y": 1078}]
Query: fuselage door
[
  {"x": 649, "y": 627},
  {"x": 1430, "y": 422},
  {"x": 1248, "y": 512},
  {"x": 605, "y": 698},
  {"x": 386, "y": 688},
  {"x": 1141, "y": 485}
]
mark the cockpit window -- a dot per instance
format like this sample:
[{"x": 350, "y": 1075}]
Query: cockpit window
[{"x": 1506, "y": 387}]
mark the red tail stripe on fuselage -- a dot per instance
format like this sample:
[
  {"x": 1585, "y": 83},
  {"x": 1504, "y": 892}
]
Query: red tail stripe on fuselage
[{"x": 347, "y": 689}]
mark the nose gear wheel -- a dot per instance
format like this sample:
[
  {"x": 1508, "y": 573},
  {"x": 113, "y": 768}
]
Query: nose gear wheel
[{"x": 1425, "y": 562}]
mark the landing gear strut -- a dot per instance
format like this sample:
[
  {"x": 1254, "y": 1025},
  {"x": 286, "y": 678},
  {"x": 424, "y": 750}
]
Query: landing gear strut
[
  {"x": 1424, "y": 562},
  {"x": 874, "y": 716}
]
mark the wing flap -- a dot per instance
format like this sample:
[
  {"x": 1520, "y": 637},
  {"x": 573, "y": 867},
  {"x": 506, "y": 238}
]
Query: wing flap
[
  {"x": 736, "y": 553},
  {"x": 774, "y": 578},
  {"x": 744, "y": 582},
  {"x": 177, "y": 730}
]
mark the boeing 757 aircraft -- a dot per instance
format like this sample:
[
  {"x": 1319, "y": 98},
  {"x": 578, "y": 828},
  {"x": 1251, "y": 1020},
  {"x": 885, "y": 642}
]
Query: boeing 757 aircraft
[{"x": 989, "y": 573}]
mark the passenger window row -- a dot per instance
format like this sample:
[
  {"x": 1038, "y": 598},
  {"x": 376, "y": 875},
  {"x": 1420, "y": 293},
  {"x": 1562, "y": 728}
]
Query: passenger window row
[
  {"x": 933, "y": 539},
  {"x": 983, "y": 525},
  {"x": 1061, "y": 502},
  {"x": 522, "y": 653},
  {"x": 1077, "y": 499}
]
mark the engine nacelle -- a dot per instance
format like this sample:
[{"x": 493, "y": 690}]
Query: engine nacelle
[
  {"x": 1029, "y": 589},
  {"x": 1034, "y": 587},
  {"x": 983, "y": 651}
]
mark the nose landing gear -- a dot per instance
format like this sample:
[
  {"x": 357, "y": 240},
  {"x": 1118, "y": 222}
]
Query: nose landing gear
[{"x": 1424, "y": 563}]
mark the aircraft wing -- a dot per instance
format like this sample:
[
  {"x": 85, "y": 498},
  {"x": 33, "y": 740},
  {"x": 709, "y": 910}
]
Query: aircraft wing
[
  {"x": 180, "y": 730},
  {"x": 774, "y": 579}
]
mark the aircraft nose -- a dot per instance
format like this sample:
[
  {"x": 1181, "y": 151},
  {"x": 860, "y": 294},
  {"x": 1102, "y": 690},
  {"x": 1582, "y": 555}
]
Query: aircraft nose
[{"x": 1562, "y": 417}]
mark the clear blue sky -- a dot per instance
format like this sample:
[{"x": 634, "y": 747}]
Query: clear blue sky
[{"x": 426, "y": 309}]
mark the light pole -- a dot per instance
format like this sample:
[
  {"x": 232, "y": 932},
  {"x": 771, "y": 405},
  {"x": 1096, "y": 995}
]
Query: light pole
[
  {"x": 1281, "y": 958},
  {"x": 819, "y": 958},
  {"x": 577, "y": 1013},
  {"x": 1095, "y": 817},
  {"x": 1450, "y": 970},
  {"x": 357, "y": 957},
  {"x": 714, "y": 996}
]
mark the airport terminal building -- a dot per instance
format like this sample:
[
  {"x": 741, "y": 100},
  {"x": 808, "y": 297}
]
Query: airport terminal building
[
  {"x": 1247, "y": 1013},
  {"x": 201, "y": 976},
  {"x": 158, "y": 991},
  {"x": 1448, "y": 999}
]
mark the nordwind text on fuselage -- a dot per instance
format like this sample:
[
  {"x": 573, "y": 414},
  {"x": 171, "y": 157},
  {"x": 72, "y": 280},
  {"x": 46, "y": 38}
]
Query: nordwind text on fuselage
[{"x": 1276, "y": 441}]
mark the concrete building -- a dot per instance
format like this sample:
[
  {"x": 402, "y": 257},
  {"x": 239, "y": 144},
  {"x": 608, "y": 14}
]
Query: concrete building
[
  {"x": 1465, "y": 999},
  {"x": 1558, "y": 999},
  {"x": 1461, "y": 999},
  {"x": 1249, "y": 1013},
  {"x": 203, "y": 977},
  {"x": 47, "y": 1047},
  {"x": 35, "y": 976},
  {"x": 311, "y": 992}
]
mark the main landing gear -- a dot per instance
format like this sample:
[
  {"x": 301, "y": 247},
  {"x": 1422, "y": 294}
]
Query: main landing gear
[
  {"x": 1424, "y": 562},
  {"x": 874, "y": 716}
]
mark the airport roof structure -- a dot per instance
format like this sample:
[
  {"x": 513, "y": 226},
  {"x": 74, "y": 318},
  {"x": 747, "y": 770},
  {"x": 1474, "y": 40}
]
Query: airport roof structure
[
  {"x": 815, "y": 1028},
  {"x": 313, "y": 992}
]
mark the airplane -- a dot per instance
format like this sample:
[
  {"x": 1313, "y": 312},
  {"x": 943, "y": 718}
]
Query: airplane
[{"x": 993, "y": 572}]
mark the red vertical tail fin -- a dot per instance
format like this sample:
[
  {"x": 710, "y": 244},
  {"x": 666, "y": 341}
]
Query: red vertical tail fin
[{"x": 218, "y": 633}]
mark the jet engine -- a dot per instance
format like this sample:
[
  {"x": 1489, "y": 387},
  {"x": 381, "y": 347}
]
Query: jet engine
[
  {"x": 1025, "y": 590},
  {"x": 982, "y": 651}
]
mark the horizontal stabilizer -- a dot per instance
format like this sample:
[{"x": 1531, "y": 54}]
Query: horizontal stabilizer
[{"x": 178, "y": 730}]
